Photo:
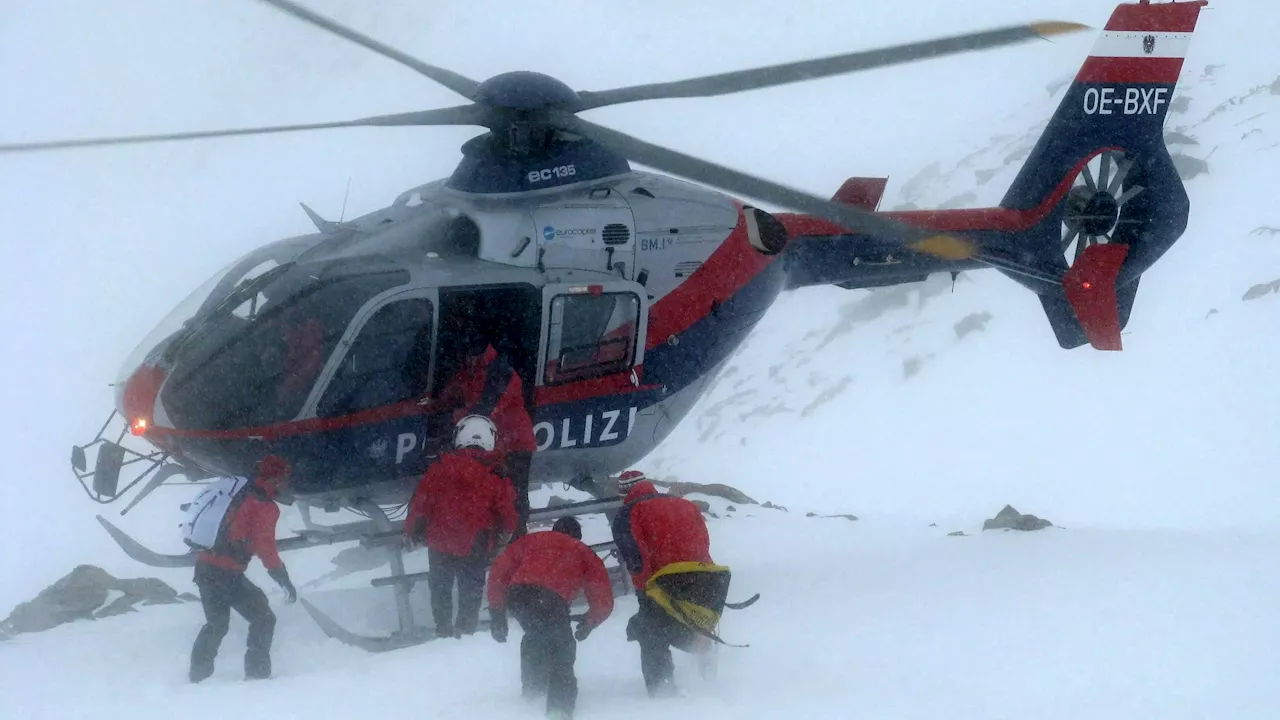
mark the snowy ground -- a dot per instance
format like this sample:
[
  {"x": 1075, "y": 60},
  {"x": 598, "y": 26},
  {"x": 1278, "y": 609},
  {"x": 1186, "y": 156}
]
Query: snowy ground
[{"x": 875, "y": 618}]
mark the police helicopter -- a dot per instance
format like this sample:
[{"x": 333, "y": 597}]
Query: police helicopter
[{"x": 616, "y": 294}]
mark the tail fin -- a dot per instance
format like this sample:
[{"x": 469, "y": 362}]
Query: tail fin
[{"x": 1103, "y": 165}]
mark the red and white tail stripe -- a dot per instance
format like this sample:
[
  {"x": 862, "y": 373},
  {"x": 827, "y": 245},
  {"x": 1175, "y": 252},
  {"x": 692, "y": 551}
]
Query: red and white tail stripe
[{"x": 1143, "y": 43}]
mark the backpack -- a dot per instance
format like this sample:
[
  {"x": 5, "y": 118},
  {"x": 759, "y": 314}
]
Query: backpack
[{"x": 206, "y": 513}]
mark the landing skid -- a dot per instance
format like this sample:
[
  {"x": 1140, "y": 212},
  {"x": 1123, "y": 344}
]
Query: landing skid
[
  {"x": 378, "y": 530},
  {"x": 401, "y": 639}
]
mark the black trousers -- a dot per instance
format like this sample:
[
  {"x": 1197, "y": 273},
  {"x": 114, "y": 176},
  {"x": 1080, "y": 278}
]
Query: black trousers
[
  {"x": 548, "y": 649},
  {"x": 468, "y": 573},
  {"x": 657, "y": 632},
  {"x": 517, "y": 470},
  {"x": 220, "y": 591}
]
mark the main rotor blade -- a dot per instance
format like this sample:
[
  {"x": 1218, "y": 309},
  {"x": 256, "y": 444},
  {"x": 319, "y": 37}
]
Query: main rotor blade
[
  {"x": 458, "y": 115},
  {"x": 465, "y": 87},
  {"x": 773, "y": 75},
  {"x": 852, "y": 219}
]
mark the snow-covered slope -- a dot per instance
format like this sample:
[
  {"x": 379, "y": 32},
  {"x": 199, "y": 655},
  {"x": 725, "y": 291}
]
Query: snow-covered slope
[
  {"x": 904, "y": 406},
  {"x": 861, "y": 619}
]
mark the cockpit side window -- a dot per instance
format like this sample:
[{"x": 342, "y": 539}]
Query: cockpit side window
[
  {"x": 389, "y": 361},
  {"x": 247, "y": 372},
  {"x": 591, "y": 335}
]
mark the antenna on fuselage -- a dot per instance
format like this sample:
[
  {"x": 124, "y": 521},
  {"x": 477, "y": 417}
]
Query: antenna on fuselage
[{"x": 345, "y": 195}]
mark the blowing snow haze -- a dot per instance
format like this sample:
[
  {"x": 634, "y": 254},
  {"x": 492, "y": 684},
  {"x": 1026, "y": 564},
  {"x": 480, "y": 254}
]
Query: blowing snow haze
[{"x": 924, "y": 401}]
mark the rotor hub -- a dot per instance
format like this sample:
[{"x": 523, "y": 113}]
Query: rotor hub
[
  {"x": 1092, "y": 212},
  {"x": 525, "y": 90}
]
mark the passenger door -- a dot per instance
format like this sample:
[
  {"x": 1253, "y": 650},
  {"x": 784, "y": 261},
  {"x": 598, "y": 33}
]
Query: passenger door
[{"x": 593, "y": 336}]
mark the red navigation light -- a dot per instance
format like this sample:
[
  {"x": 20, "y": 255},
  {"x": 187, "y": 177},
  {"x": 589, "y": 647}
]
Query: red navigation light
[{"x": 140, "y": 393}]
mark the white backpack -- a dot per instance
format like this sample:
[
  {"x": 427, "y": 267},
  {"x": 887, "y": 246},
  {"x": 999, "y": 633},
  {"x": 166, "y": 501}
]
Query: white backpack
[{"x": 205, "y": 513}]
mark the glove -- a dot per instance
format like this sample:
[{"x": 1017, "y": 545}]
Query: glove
[
  {"x": 498, "y": 625},
  {"x": 584, "y": 629},
  {"x": 281, "y": 576}
]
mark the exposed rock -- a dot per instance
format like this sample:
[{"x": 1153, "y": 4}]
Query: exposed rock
[
  {"x": 933, "y": 524},
  {"x": 1011, "y": 519},
  {"x": 827, "y": 396},
  {"x": 1173, "y": 137},
  {"x": 731, "y": 509},
  {"x": 1275, "y": 87},
  {"x": 1265, "y": 230},
  {"x": 1189, "y": 167},
  {"x": 851, "y": 518},
  {"x": 1262, "y": 290},
  {"x": 911, "y": 366},
  {"x": 1211, "y": 313},
  {"x": 771, "y": 506},
  {"x": 1180, "y": 104},
  {"x": 719, "y": 490},
  {"x": 973, "y": 322},
  {"x": 958, "y": 533},
  {"x": 86, "y": 593}
]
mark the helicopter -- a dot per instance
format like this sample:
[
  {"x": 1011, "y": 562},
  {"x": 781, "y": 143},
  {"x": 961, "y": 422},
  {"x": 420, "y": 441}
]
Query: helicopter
[{"x": 616, "y": 294}]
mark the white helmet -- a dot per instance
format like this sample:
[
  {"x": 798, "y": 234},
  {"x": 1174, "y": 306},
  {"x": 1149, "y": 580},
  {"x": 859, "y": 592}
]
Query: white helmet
[{"x": 475, "y": 431}]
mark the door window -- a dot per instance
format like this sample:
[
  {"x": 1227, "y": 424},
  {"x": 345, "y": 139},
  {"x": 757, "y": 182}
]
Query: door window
[
  {"x": 388, "y": 362},
  {"x": 591, "y": 335}
]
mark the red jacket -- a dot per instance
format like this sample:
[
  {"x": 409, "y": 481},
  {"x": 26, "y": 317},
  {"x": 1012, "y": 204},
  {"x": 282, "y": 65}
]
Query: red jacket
[
  {"x": 251, "y": 530},
  {"x": 557, "y": 562},
  {"x": 654, "y": 530},
  {"x": 461, "y": 505},
  {"x": 488, "y": 385}
]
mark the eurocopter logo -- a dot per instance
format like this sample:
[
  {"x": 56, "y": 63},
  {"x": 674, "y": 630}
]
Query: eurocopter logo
[
  {"x": 549, "y": 233},
  {"x": 1149, "y": 44}
]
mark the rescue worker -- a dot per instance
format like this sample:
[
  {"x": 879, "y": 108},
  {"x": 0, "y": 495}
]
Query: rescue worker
[
  {"x": 461, "y": 510},
  {"x": 488, "y": 385},
  {"x": 248, "y": 529},
  {"x": 664, "y": 543},
  {"x": 536, "y": 579}
]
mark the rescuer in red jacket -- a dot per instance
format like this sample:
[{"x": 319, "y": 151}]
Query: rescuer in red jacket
[
  {"x": 653, "y": 532},
  {"x": 488, "y": 385},
  {"x": 461, "y": 510},
  {"x": 248, "y": 529},
  {"x": 537, "y": 578}
]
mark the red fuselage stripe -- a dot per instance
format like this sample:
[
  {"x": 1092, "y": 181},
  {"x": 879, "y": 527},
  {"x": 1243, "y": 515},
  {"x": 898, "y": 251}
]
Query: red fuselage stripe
[
  {"x": 1130, "y": 71},
  {"x": 733, "y": 264},
  {"x": 997, "y": 219}
]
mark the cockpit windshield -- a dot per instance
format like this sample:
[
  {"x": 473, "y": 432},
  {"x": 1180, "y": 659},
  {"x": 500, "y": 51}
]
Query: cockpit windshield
[
  {"x": 253, "y": 358},
  {"x": 204, "y": 298}
]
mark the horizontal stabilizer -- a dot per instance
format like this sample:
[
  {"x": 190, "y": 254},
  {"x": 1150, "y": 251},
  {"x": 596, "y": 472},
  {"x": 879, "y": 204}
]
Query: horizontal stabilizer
[{"x": 1090, "y": 286}]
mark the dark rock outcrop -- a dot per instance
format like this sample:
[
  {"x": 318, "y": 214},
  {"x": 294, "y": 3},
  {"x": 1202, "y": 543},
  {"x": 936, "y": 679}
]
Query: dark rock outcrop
[
  {"x": 1010, "y": 519},
  {"x": 719, "y": 490},
  {"x": 1262, "y": 290},
  {"x": 87, "y": 593}
]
